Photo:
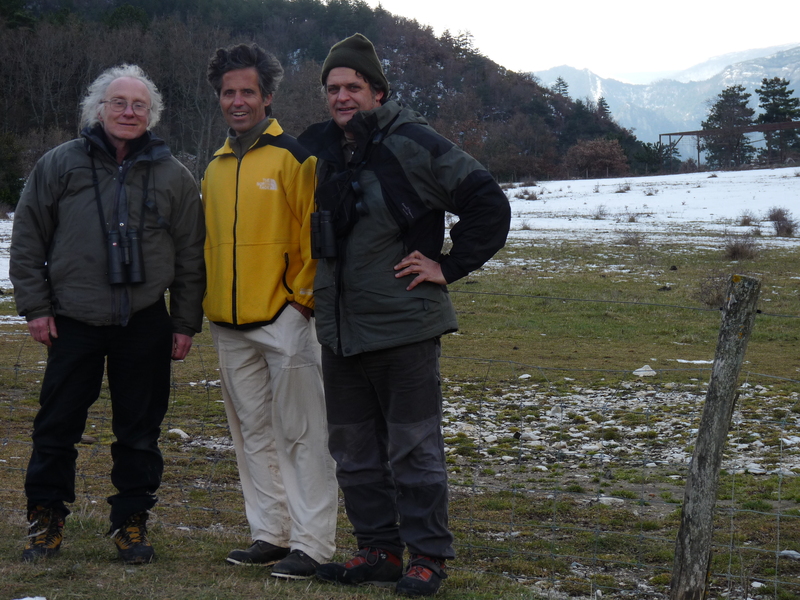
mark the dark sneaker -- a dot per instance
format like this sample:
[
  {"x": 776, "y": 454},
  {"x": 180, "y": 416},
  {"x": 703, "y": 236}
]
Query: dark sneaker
[
  {"x": 45, "y": 533},
  {"x": 259, "y": 553},
  {"x": 369, "y": 566},
  {"x": 131, "y": 540},
  {"x": 298, "y": 565},
  {"x": 423, "y": 577}
]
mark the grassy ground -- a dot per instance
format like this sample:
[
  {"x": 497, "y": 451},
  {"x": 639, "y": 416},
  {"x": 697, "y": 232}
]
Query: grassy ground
[
  {"x": 545, "y": 329},
  {"x": 604, "y": 307}
]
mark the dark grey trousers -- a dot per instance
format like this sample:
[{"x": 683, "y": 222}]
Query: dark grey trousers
[{"x": 384, "y": 421}]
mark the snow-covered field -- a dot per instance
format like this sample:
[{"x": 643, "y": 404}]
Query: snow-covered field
[{"x": 689, "y": 204}]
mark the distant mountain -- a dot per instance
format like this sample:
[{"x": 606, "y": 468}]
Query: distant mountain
[
  {"x": 716, "y": 64},
  {"x": 680, "y": 103}
]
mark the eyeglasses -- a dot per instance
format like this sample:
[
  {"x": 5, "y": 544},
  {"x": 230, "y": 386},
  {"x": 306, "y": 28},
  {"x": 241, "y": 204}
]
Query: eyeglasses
[{"x": 118, "y": 105}]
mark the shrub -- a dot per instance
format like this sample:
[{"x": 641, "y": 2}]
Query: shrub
[
  {"x": 747, "y": 218},
  {"x": 650, "y": 191},
  {"x": 622, "y": 188},
  {"x": 711, "y": 289},
  {"x": 776, "y": 213},
  {"x": 782, "y": 222},
  {"x": 600, "y": 213},
  {"x": 740, "y": 247},
  {"x": 785, "y": 228},
  {"x": 632, "y": 238}
]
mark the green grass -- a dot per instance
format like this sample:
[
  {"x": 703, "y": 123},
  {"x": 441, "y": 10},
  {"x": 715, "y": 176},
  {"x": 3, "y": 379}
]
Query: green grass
[{"x": 515, "y": 314}]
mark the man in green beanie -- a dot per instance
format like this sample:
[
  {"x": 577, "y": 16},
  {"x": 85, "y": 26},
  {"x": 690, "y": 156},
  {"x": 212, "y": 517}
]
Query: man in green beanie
[{"x": 385, "y": 180}]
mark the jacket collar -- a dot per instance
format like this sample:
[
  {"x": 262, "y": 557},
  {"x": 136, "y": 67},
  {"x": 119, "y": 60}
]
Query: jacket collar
[
  {"x": 148, "y": 143},
  {"x": 324, "y": 139},
  {"x": 271, "y": 128}
]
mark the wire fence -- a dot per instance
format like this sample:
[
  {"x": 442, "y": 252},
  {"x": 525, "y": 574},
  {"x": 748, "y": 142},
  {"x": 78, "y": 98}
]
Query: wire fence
[{"x": 566, "y": 479}]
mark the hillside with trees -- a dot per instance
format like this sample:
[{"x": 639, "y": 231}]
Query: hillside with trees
[{"x": 51, "y": 49}]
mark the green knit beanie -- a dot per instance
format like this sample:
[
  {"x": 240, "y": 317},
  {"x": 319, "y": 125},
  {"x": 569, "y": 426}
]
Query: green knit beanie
[{"x": 358, "y": 53}]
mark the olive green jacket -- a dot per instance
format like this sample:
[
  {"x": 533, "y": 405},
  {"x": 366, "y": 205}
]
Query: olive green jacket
[{"x": 59, "y": 254}]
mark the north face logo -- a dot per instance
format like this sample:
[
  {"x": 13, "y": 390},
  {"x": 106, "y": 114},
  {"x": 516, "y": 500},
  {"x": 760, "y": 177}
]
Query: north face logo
[{"x": 267, "y": 184}]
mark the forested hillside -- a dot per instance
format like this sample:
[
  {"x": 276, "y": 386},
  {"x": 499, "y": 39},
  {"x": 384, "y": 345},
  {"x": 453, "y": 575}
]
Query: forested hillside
[{"x": 51, "y": 49}]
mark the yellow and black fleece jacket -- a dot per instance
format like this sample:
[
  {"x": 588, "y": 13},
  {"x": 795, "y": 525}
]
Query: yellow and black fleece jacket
[{"x": 258, "y": 230}]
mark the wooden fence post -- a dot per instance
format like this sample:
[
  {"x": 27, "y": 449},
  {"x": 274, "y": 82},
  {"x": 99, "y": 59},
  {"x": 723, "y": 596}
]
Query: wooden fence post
[{"x": 692, "y": 564}]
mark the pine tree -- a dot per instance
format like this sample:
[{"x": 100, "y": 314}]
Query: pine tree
[
  {"x": 603, "y": 111},
  {"x": 728, "y": 146},
  {"x": 561, "y": 87},
  {"x": 779, "y": 106}
]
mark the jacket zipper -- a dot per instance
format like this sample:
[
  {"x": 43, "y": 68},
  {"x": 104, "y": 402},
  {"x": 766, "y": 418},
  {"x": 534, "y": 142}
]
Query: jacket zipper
[
  {"x": 285, "y": 272},
  {"x": 234, "y": 315}
]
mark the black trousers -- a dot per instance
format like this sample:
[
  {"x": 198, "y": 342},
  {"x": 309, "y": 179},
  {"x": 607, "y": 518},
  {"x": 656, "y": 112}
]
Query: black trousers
[
  {"x": 138, "y": 366},
  {"x": 384, "y": 422}
]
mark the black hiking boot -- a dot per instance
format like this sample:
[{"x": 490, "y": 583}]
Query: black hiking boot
[
  {"x": 369, "y": 566},
  {"x": 45, "y": 533},
  {"x": 131, "y": 540}
]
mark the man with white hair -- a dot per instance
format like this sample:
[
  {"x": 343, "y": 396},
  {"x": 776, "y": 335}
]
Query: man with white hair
[{"x": 106, "y": 224}]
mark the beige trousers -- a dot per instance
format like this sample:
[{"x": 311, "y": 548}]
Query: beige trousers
[{"x": 272, "y": 390}]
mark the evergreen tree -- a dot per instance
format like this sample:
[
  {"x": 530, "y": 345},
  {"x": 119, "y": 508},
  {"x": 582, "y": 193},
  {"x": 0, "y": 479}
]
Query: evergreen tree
[
  {"x": 727, "y": 146},
  {"x": 655, "y": 157},
  {"x": 603, "y": 111},
  {"x": 779, "y": 106},
  {"x": 561, "y": 87},
  {"x": 15, "y": 14}
]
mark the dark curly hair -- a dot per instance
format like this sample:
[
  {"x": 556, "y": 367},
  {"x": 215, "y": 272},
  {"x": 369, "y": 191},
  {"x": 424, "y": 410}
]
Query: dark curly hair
[{"x": 242, "y": 56}]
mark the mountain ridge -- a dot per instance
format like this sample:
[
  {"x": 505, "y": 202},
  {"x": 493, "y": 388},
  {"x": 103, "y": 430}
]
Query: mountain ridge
[{"x": 680, "y": 103}]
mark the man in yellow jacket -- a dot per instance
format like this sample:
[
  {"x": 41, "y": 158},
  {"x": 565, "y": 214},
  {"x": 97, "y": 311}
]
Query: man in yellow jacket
[{"x": 258, "y": 194}]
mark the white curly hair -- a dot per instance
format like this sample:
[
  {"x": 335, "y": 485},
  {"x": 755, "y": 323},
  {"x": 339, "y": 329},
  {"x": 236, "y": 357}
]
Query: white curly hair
[{"x": 95, "y": 94}]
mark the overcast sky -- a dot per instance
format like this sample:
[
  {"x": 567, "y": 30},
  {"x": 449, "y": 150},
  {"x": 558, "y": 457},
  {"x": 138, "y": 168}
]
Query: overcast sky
[{"x": 610, "y": 37}]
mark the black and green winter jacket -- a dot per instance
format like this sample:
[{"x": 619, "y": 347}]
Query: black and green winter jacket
[{"x": 410, "y": 176}]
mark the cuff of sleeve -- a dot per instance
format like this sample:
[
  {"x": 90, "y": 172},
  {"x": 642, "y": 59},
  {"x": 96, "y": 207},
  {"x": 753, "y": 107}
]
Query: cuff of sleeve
[
  {"x": 450, "y": 270},
  {"x": 184, "y": 330},
  {"x": 38, "y": 314}
]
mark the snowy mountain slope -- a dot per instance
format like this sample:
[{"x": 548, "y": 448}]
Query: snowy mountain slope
[{"x": 670, "y": 105}]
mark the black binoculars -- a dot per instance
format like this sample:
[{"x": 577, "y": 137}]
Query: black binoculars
[
  {"x": 125, "y": 262},
  {"x": 323, "y": 235}
]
